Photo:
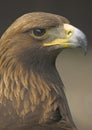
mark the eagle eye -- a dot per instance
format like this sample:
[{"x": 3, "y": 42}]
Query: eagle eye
[{"x": 38, "y": 32}]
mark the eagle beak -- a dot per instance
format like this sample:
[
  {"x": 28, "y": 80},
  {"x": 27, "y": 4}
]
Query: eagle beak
[
  {"x": 73, "y": 38},
  {"x": 76, "y": 38}
]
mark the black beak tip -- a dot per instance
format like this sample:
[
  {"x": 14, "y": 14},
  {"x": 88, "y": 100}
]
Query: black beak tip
[
  {"x": 84, "y": 45},
  {"x": 85, "y": 50}
]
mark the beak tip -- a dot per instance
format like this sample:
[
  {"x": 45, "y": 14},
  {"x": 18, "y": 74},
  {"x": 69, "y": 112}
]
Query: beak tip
[
  {"x": 85, "y": 50},
  {"x": 83, "y": 44}
]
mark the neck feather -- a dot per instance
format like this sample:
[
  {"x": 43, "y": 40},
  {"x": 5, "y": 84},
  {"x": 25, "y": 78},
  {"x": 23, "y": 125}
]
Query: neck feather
[{"x": 26, "y": 89}]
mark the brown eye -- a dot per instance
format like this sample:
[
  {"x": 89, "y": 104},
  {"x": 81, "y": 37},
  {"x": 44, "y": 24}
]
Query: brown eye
[{"x": 38, "y": 32}]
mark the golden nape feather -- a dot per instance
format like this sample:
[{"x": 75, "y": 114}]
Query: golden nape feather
[{"x": 31, "y": 92}]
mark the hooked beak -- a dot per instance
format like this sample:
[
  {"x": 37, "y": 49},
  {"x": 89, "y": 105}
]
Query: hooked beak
[{"x": 73, "y": 38}]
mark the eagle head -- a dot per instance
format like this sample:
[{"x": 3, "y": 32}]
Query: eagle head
[{"x": 35, "y": 37}]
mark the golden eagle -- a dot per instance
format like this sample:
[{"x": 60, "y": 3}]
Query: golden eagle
[{"x": 31, "y": 91}]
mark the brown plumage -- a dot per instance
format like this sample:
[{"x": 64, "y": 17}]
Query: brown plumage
[{"x": 31, "y": 91}]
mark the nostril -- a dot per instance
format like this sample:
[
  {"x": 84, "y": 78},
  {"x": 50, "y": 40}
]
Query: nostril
[{"x": 69, "y": 33}]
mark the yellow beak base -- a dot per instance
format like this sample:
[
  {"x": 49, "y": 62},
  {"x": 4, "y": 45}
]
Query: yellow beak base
[{"x": 63, "y": 42}]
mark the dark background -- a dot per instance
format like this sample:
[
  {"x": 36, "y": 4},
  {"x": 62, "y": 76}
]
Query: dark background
[{"x": 74, "y": 68}]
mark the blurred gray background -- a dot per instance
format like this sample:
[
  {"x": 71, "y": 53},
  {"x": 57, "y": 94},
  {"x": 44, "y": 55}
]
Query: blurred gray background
[{"x": 75, "y": 69}]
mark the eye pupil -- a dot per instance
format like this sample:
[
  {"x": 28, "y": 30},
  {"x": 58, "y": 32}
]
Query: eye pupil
[{"x": 39, "y": 32}]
